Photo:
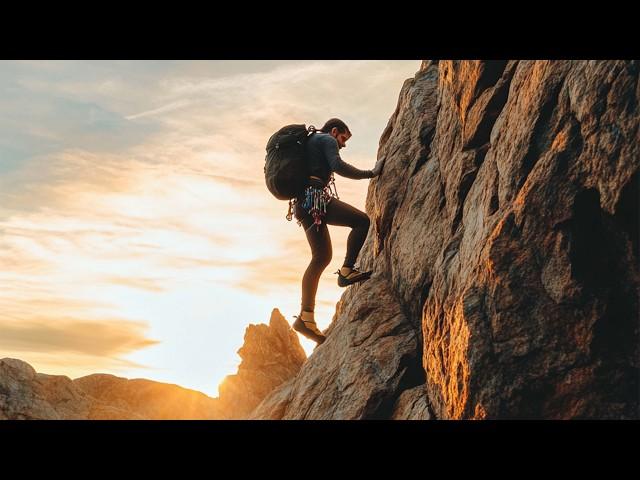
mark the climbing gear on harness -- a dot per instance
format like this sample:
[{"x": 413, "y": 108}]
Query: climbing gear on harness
[
  {"x": 353, "y": 277},
  {"x": 332, "y": 182},
  {"x": 292, "y": 203},
  {"x": 315, "y": 200}
]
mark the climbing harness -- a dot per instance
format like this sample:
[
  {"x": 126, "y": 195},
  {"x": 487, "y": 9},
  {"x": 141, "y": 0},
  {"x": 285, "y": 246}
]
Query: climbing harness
[{"x": 315, "y": 202}]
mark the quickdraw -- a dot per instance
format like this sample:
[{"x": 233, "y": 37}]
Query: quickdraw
[{"x": 315, "y": 202}]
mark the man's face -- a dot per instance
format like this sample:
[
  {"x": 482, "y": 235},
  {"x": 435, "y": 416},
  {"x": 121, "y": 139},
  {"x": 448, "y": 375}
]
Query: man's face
[{"x": 340, "y": 137}]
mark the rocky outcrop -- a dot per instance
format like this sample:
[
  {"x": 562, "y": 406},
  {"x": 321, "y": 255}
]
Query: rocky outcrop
[
  {"x": 27, "y": 395},
  {"x": 369, "y": 355},
  {"x": 412, "y": 405},
  {"x": 271, "y": 355},
  {"x": 504, "y": 242}
]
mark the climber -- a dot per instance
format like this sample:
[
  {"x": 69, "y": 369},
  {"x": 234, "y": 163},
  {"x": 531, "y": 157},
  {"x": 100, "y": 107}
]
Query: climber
[{"x": 318, "y": 207}]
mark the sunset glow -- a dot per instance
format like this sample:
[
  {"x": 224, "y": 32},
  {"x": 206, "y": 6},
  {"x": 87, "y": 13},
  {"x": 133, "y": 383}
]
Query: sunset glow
[{"x": 137, "y": 236}]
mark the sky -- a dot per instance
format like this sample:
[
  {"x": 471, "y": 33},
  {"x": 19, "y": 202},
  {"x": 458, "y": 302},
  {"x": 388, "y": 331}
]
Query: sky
[{"x": 137, "y": 235}]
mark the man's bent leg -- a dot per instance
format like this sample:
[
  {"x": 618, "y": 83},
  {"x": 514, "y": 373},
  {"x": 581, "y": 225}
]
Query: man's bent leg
[{"x": 345, "y": 215}]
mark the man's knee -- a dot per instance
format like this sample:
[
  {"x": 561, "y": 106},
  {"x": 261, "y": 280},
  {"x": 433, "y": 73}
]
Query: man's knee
[
  {"x": 322, "y": 260},
  {"x": 365, "y": 221}
]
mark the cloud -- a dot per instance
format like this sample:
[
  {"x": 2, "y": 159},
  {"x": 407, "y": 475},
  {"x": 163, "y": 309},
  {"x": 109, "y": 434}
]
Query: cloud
[
  {"x": 105, "y": 338},
  {"x": 27, "y": 299},
  {"x": 264, "y": 278},
  {"x": 164, "y": 109},
  {"x": 36, "y": 124},
  {"x": 233, "y": 181},
  {"x": 270, "y": 273},
  {"x": 178, "y": 262},
  {"x": 149, "y": 284}
]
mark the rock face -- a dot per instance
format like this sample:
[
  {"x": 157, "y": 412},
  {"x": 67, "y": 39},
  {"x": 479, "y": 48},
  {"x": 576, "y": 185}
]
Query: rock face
[
  {"x": 271, "y": 355},
  {"x": 370, "y": 354},
  {"x": 412, "y": 405},
  {"x": 27, "y": 395},
  {"x": 505, "y": 244}
]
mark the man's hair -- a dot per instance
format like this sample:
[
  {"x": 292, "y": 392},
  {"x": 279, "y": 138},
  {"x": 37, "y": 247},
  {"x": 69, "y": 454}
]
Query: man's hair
[{"x": 337, "y": 123}]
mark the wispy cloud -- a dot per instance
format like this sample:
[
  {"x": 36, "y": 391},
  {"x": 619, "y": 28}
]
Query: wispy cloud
[
  {"x": 143, "y": 283},
  {"x": 164, "y": 109},
  {"x": 271, "y": 273},
  {"x": 68, "y": 335}
]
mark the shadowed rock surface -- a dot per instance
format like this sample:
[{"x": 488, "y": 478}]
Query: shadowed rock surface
[{"x": 369, "y": 355}]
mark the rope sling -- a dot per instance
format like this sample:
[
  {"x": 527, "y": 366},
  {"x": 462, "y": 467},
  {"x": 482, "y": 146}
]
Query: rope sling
[{"x": 315, "y": 202}]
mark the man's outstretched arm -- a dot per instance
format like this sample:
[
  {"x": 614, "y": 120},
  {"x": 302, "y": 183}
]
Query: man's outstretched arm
[{"x": 340, "y": 166}]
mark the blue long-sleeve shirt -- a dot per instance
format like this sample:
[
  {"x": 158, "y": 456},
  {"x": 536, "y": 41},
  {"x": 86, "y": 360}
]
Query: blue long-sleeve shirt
[{"x": 323, "y": 157}]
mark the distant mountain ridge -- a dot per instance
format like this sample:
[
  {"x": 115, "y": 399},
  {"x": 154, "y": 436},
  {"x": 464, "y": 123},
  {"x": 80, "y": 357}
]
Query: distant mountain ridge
[{"x": 271, "y": 354}]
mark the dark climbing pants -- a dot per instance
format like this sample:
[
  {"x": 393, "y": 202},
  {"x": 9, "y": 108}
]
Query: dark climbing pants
[{"x": 338, "y": 213}]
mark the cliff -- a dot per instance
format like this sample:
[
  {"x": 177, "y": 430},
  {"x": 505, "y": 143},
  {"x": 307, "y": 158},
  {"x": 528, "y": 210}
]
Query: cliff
[{"x": 504, "y": 242}]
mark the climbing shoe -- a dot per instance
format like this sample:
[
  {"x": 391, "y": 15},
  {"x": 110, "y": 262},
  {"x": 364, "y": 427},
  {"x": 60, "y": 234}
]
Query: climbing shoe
[
  {"x": 308, "y": 328},
  {"x": 352, "y": 277}
]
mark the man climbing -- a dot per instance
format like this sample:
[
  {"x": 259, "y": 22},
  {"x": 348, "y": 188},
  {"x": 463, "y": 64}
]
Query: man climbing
[{"x": 318, "y": 207}]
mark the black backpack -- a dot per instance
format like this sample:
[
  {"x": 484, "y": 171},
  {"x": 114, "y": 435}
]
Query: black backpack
[{"x": 286, "y": 170}]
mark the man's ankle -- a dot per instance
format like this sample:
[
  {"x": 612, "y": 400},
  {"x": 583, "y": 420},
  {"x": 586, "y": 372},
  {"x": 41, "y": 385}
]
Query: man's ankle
[{"x": 345, "y": 270}]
